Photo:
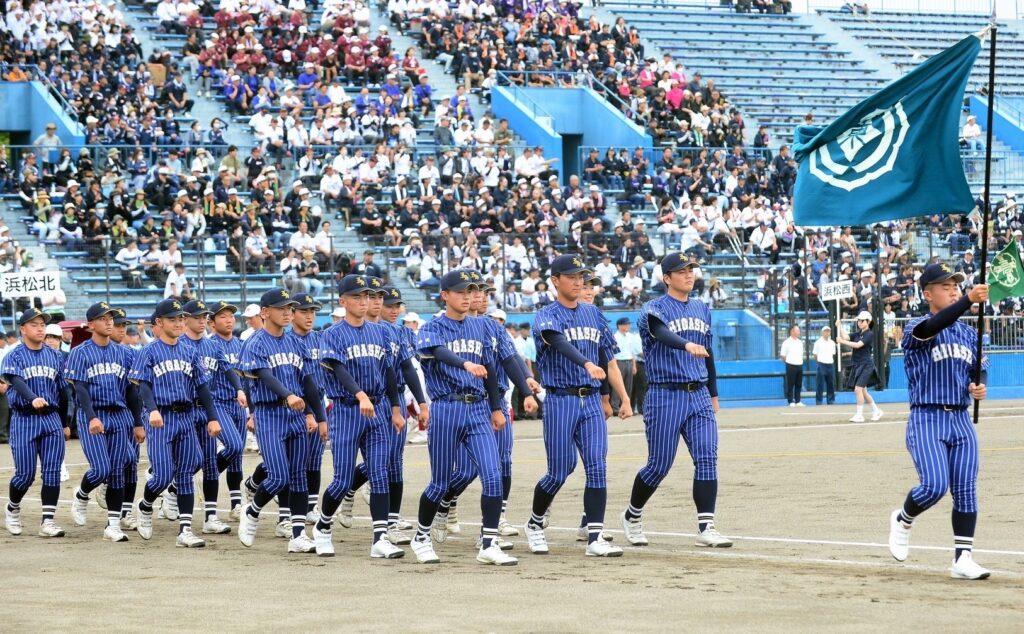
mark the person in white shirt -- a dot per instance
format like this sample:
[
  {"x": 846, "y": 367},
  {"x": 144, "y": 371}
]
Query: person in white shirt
[
  {"x": 330, "y": 186},
  {"x": 625, "y": 358},
  {"x": 524, "y": 166},
  {"x": 485, "y": 133},
  {"x": 429, "y": 171},
  {"x": 177, "y": 282},
  {"x": 606, "y": 271},
  {"x": 253, "y": 321},
  {"x": 971, "y": 134},
  {"x": 792, "y": 353},
  {"x": 632, "y": 285},
  {"x": 824, "y": 353},
  {"x": 302, "y": 240}
]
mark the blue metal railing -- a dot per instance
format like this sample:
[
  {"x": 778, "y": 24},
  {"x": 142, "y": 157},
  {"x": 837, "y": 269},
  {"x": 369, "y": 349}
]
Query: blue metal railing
[{"x": 35, "y": 74}]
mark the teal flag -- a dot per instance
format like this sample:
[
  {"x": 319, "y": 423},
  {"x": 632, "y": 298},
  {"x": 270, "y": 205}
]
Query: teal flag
[{"x": 894, "y": 155}]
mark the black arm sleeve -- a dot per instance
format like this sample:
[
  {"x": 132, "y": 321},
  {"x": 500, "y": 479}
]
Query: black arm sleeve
[
  {"x": 146, "y": 392},
  {"x": 131, "y": 398},
  {"x": 942, "y": 319},
  {"x": 341, "y": 373},
  {"x": 62, "y": 404},
  {"x": 558, "y": 341},
  {"x": 602, "y": 362},
  {"x": 516, "y": 371},
  {"x": 266, "y": 375},
  {"x": 447, "y": 357},
  {"x": 21, "y": 387},
  {"x": 413, "y": 381},
  {"x": 206, "y": 400},
  {"x": 662, "y": 333},
  {"x": 311, "y": 393},
  {"x": 712, "y": 374},
  {"x": 84, "y": 400},
  {"x": 494, "y": 395},
  {"x": 236, "y": 383},
  {"x": 391, "y": 386}
]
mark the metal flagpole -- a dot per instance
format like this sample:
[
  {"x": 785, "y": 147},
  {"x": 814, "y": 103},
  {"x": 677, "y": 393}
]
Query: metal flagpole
[{"x": 986, "y": 196}]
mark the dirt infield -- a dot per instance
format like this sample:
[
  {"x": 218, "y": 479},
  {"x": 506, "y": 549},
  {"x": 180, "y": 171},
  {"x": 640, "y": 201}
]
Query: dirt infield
[{"x": 805, "y": 494}]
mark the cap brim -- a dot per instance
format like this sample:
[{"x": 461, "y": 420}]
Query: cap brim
[
  {"x": 45, "y": 317},
  {"x": 576, "y": 269},
  {"x": 958, "y": 276},
  {"x": 308, "y": 306},
  {"x": 462, "y": 286},
  {"x": 106, "y": 312},
  {"x": 391, "y": 301},
  {"x": 283, "y": 304},
  {"x": 358, "y": 291},
  {"x": 231, "y": 307},
  {"x": 200, "y": 313},
  {"x": 173, "y": 313}
]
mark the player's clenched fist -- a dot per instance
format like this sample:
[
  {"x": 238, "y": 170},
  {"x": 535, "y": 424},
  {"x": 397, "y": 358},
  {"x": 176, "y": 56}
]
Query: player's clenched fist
[
  {"x": 476, "y": 369},
  {"x": 530, "y": 405},
  {"x": 626, "y": 409},
  {"x": 296, "y": 403},
  {"x": 423, "y": 416},
  {"x": 95, "y": 426},
  {"x": 397, "y": 420},
  {"x": 365, "y": 405},
  {"x": 213, "y": 428},
  {"x": 498, "y": 420},
  {"x": 697, "y": 350},
  {"x": 595, "y": 371},
  {"x": 40, "y": 403},
  {"x": 155, "y": 419},
  {"x": 978, "y": 391},
  {"x": 140, "y": 435},
  {"x": 310, "y": 423},
  {"x": 978, "y": 294}
]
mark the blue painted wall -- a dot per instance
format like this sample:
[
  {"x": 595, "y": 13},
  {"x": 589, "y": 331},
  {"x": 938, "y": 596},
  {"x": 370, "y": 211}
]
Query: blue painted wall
[
  {"x": 1004, "y": 125},
  {"x": 572, "y": 111},
  {"x": 28, "y": 107}
]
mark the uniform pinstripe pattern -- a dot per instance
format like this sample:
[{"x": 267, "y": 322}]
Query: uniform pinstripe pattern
[
  {"x": 944, "y": 447},
  {"x": 34, "y": 435},
  {"x": 396, "y": 445},
  {"x": 465, "y": 468},
  {"x": 940, "y": 369},
  {"x": 350, "y": 430},
  {"x": 667, "y": 416},
  {"x": 454, "y": 425},
  {"x": 232, "y": 415},
  {"x": 284, "y": 447},
  {"x": 691, "y": 320},
  {"x": 174, "y": 452},
  {"x": 109, "y": 453},
  {"x": 213, "y": 352},
  {"x": 573, "y": 424},
  {"x": 131, "y": 471}
]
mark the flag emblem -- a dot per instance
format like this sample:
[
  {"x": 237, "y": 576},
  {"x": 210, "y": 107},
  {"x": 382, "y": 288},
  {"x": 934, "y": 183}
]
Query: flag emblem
[
  {"x": 1004, "y": 270},
  {"x": 864, "y": 152}
]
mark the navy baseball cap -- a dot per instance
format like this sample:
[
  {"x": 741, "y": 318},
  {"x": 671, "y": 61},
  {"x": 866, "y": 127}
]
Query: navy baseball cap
[
  {"x": 589, "y": 277},
  {"x": 376, "y": 284},
  {"x": 677, "y": 262},
  {"x": 306, "y": 301},
  {"x": 276, "y": 298},
  {"x": 31, "y": 314},
  {"x": 935, "y": 273},
  {"x": 622, "y": 321},
  {"x": 196, "y": 308},
  {"x": 223, "y": 305},
  {"x": 120, "y": 317},
  {"x": 168, "y": 308},
  {"x": 480, "y": 280},
  {"x": 98, "y": 310},
  {"x": 353, "y": 285},
  {"x": 458, "y": 280},
  {"x": 568, "y": 264},
  {"x": 392, "y": 296}
]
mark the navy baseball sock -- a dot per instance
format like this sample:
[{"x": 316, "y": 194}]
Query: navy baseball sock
[
  {"x": 172, "y": 489},
  {"x": 86, "y": 487},
  {"x": 235, "y": 487},
  {"x": 81, "y": 493},
  {"x": 328, "y": 507},
  {"x": 583, "y": 520},
  {"x": 379, "y": 504},
  {"x": 541, "y": 502},
  {"x": 297, "y": 503},
  {"x": 963, "y": 532},
  {"x": 211, "y": 488},
  {"x": 114, "y": 499},
  {"x": 259, "y": 474},
  {"x": 490, "y": 505},
  {"x": 638, "y": 498},
  {"x": 222, "y": 462},
  {"x": 705, "y": 492},
  {"x": 50, "y": 494},
  {"x": 186, "y": 503},
  {"x": 395, "y": 491},
  {"x": 148, "y": 497},
  {"x": 594, "y": 502},
  {"x": 15, "y": 495},
  {"x": 261, "y": 499},
  {"x": 313, "y": 487},
  {"x": 506, "y": 490},
  {"x": 129, "y": 497},
  {"x": 358, "y": 479},
  {"x": 284, "y": 514},
  {"x": 910, "y": 511},
  {"x": 428, "y": 509}
]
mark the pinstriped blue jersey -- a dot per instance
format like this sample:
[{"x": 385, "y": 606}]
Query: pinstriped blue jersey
[
  {"x": 691, "y": 320},
  {"x": 189, "y": 341},
  {"x": 586, "y": 329},
  {"x": 174, "y": 371},
  {"x": 469, "y": 339},
  {"x": 312, "y": 342},
  {"x": 940, "y": 369},
  {"x": 40, "y": 369},
  {"x": 366, "y": 352},
  {"x": 503, "y": 349},
  {"x": 219, "y": 357},
  {"x": 285, "y": 356},
  {"x": 104, "y": 369},
  {"x": 402, "y": 347}
]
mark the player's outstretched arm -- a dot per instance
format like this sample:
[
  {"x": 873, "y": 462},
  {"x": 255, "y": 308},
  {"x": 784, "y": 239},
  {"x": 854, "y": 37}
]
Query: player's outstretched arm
[
  {"x": 559, "y": 343},
  {"x": 943, "y": 319},
  {"x": 447, "y": 357},
  {"x": 22, "y": 388},
  {"x": 343, "y": 376},
  {"x": 266, "y": 376}
]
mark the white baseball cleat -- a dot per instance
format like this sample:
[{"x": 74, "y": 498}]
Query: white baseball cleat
[
  {"x": 583, "y": 535},
  {"x": 64, "y": 474},
  {"x": 877, "y": 415},
  {"x": 129, "y": 522},
  {"x": 423, "y": 548},
  {"x": 79, "y": 508},
  {"x": 236, "y": 512},
  {"x": 634, "y": 530},
  {"x": 251, "y": 446},
  {"x": 313, "y": 516},
  {"x": 439, "y": 529},
  {"x": 247, "y": 495},
  {"x": 397, "y": 537},
  {"x": 799, "y": 404},
  {"x": 899, "y": 537},
  {"x": 145, "y": 527},
  {"x": 283, "y": 529},
  {"x": 453, "y": 521},
  {"x": 502, "y": 544},
  {"x": 345, "y": 512},
  {"x": 322, "y": 541},
  {"x": 384, "y": 549},
  {"x": 505, "y": 529},
  {"x": 419, "y": 438},
  {"x": 12, "y": 520},
  {"x": 404, "y": 525},
  {"x": 114, "y": 534},
  {"x": 301, "y": 544},
  {"x": 536, "y": 540},
  {"x": 365, "y": 491},
  {"x": 494, "y": 556},
  {"x": 50, "y": 529},
  {"x": 247, "y": 526},
  {"x": 188, "y": 539},
  {"x": 966, "y": 568},
  {"x": 547, "y": 518},
  {"x": 857, "y": 418},
  {"x": 169, "y": 508},
  {"x": 711, "y": 538},
  {"x": 214, "y": 526},
  {"x": 601, "y": 548},
  {"x": 101, "y": 495}
]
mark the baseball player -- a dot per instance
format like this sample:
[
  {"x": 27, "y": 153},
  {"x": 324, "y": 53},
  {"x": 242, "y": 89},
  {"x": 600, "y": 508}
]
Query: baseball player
[
  {"x": 171, "y": 379},
  {"x": 360, "y": 368},
  {"x": 941, "y": 362},
  {"x": 226, "y": 389},
  {"x": 511, "y": 367},
  {"x": 98, "y": 370},
  {"x": 456, "y": 351},
  {"x": 574, "y": 344},
  {"x": 134, "y": 402},
  {"x": 682, "y": 400},
  {"x": 278, "y": 367},
  {"x": 36, "y": 400}
]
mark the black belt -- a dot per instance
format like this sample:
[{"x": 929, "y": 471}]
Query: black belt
[
  {"x": 579, "y": 392},
  {"x": 461, "y": 398},
  {"x": 351, "y": 400},
  {"x": 692, "y": 386},
  {"x": 281, "y": 402},
  {"x": 946, "y": 408},
  {"x": 109, "y": 408},
  {"x": 179, "y": 408},
  {"x": 31, "y": 411}
]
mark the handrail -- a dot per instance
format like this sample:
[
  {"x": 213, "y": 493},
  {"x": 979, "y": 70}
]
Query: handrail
[
  {"x": 505, "y": 81},
  {"x": 35, "y": 74}
]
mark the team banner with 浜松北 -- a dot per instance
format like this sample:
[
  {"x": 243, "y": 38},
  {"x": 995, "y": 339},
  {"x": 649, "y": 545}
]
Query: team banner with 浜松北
[{"x": 894, "y": 155}]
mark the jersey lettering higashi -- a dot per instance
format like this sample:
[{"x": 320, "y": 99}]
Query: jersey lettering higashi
[
  {"x": 691, "y": 320},
  {"x": 103, "y": 368},
  {"x": 365, "y": 351},
  {"x": 586, "y": 329},
  {"x": 174, "y": 371},
  {"x": 285, "y": 356},
  {"x": 470, "y": 339},
  {"x": 40, "y": 369},
  {"x": 940, "y": 369}
]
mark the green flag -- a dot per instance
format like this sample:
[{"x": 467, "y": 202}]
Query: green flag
[{"x": 1006, "y": 274}]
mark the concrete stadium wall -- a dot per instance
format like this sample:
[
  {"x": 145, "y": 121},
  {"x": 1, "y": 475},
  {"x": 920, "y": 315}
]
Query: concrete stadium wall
[{"x": 28, "y": 107}]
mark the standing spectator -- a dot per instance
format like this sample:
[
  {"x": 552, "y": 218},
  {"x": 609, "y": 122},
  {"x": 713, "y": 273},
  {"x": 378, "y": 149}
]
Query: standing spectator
[
  {"x": 824, "y": 353},
  {"x": 625, "y": 358},
  {"x": 792, "y": 353}
]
